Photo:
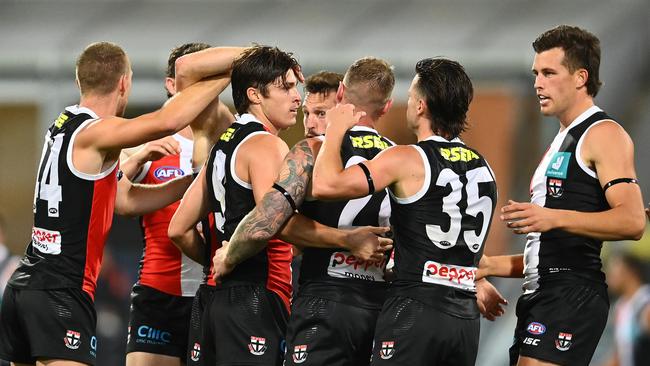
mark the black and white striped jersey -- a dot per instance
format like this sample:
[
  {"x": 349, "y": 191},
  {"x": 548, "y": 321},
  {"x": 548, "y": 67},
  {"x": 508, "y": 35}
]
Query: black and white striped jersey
[{"x": 563, "y": 181}]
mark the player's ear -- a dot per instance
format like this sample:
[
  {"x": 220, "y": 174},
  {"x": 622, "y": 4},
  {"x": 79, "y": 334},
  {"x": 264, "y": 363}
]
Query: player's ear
[
  {"x": 582, "y": 75},
  {"x": 387, "y": 107},
  {"x": 122, "y": 84},
  {"x": 339, "y": 92},
  {"x": 253, "y": 95},
  {"x": 170, "y": 85},
  {"x": 421, "y": 107}
]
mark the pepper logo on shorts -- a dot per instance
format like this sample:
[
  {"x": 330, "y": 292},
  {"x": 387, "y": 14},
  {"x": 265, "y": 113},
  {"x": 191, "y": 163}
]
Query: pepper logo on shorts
[
  {"x": 563, "y": 341},
  {"x": 196, "y": 352},
  {"x": 387, "y": 350},
  {"x": 300, "y": 353},
  {"x": 536, "y": 328},
  {"x": 257, "y": 346},
  {"x": 72, "y": 339}
]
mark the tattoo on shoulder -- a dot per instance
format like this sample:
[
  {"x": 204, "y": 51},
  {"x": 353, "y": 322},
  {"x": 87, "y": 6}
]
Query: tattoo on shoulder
[{"x": 296, "y": 171}]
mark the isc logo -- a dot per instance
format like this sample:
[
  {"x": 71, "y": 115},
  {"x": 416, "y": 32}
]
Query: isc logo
[
  {"x": 531, "y": 341},
  {"x": 536, "y": 328},
  {"x": 167, "y": 173}
]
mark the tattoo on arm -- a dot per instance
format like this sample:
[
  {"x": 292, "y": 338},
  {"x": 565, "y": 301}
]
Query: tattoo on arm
[{"x": 268, "y": 217}]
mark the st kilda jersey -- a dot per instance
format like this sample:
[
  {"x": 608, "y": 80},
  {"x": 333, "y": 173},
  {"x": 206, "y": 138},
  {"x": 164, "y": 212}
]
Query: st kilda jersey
[
  {"x": 563, "y": 181},
  {"x": 232, "y": 198},
  {"x": 73, "y": 213},
  {"x": 337, "y": 274},
  {"x": 163, "y": 266},
  {"x": 439, "y": 232}
]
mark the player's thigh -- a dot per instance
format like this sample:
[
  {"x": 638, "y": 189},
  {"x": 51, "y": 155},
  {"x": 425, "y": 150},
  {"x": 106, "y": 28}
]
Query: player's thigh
[
  {"x": 527, "y": 361},
  {"x": 46, "y": 362},
  {"x": 148, "y": 359}
]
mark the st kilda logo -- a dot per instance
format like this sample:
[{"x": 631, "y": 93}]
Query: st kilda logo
[
  {"x": 555, "y": 188},
  {"x": 563, "y": 341},
  {"x": 300, "y": 353},
  {"x": 387, "y": 350},
  {"x": 196, "y": 352},
  {"x": 72, "y": 339},
  {"x": 257, "y": 346}
]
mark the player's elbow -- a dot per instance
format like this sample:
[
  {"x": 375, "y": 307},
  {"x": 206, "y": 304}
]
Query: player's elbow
[
  {"x": 175, "y": 234},
  {"x": 636, "y": 227},
  {"x": 323, "y": 191}
]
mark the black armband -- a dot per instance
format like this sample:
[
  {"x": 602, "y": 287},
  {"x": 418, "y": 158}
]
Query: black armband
[
  {"x": 371, "y": 184},
  {"x": 287, "y": 196},
  {"x": 619, "y": 180}
]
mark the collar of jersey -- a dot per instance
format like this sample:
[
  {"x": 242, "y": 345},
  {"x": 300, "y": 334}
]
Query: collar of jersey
[
  {"x": 583, "y": 116},
  {"x": 363, "y": 128},
  {"x": 246, "y": 118},
  {"x": 442, "y": 139},
  {"x": 75, "y": 109}
]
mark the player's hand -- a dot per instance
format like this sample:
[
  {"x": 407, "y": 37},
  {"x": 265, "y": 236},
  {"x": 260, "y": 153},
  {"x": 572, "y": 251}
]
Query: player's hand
[
  {"x": 524, "y": 218},
  {"x": 297, "y": 70},
  {"x": 489, "y": 300},
  {"x": 366, "y": 243},
  {"x": 157, "y": 149},
  {"x": 342, "y": 117},
  {"x": 221, "y": 266},
  {"x": 647, "y": 211}
]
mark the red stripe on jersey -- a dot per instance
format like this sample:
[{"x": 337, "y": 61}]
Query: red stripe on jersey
[
  {"x": 101, "y": 219},
  {"x": 279, "y": 257},
  {"x": 216, "y": 244},
  {"x": 161, "y": 266}
]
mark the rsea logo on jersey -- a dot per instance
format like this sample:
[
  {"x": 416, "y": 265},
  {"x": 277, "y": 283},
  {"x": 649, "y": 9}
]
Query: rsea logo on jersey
[
  {"x": 368, "y": 142},
  {"x": 167, "y": 172},
  {"x": 458, "y": 154}
]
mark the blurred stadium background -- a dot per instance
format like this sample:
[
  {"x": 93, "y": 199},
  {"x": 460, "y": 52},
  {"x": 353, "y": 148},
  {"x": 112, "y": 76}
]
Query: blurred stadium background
[{"x": 40, "y": 39}]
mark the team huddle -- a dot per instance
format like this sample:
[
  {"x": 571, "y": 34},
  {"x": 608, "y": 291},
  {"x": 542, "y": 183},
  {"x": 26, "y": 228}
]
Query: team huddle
[{"x": 390, "y": 237}]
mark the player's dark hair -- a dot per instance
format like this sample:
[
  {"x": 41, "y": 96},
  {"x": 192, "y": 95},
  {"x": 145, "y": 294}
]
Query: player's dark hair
[
  {"x": 179, "y": 51},
  {"x": 581, "y": 51},
  {"x": 448, "y": 92},
  {"x": 100, "y": 66},
  {"x": 257, "y": 67},
  {"x": 323, "y": 82}
]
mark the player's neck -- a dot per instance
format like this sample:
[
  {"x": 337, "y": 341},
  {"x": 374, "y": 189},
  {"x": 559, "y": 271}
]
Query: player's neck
[
  {"x": 261, "y": 117},
  {"x": 424, "y": 130},
  {"x": 103, "y": 106},
  {"x": 571, "y": 113},
  {"x": 367, "y": 122}
]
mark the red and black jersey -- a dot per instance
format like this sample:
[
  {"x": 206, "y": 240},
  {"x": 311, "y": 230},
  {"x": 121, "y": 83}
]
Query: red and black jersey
[
  {"x": 73, "y": 213},
  {"x": 163, "y": 266},
  {"x": 232, "y": 198}
]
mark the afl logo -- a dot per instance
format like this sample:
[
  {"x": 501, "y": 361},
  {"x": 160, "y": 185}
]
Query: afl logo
[
  {"x": 167, "y": 172},
  {"x": 536, "y": 328}
]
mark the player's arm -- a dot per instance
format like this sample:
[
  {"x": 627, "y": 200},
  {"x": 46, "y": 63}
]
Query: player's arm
[
  {"x": 332, "y": 181},
  {"x": 609, "y": 149},
  {"x": 510, "y": 266},
  {"x": 140, "y": 199},
  {"x": 182, "y": 227},
  {"x": 212, "y": 61},
  {"x": 275, "y": 215},
  {"x": 114, "y": 133}
]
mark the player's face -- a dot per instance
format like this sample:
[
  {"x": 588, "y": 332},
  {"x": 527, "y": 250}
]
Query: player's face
[
  {"x": 283, "y": 101},
  {"x": 314, "y": 109},
  {"x": 555, "y": 85},
  {"x": 412, "y": 105}
]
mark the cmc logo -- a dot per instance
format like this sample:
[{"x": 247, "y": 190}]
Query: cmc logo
[
  {"x": 154, "y": 334},
  {"x": 167, "y": 172},
  {"x": 536, "y": 328}
]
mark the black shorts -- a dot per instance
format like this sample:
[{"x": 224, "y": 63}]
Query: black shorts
[
  {"x": 48, "y": 324},
  {"x": 560, "y": 324},
  {"x": 195, "y": 339},
  {"x": 326, "y": 332},
  {"x": 411, "y": 333},
  {"x": 245, "y": 325},
  {"x": 158, "y": 322}
]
